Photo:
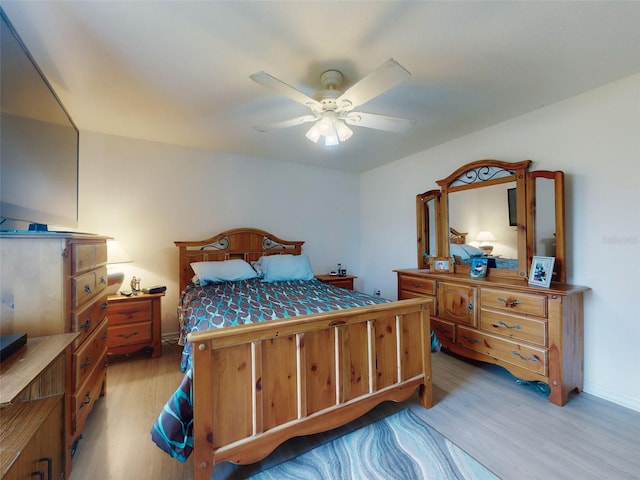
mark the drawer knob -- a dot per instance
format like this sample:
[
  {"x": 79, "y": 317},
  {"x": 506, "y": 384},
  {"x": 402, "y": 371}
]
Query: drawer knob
[
  {"x": 517, "y": 327},
  {"x": 526, "y": 359},
  {"x": 511, "y": 302},
  {"x": 86, "y": 325}
]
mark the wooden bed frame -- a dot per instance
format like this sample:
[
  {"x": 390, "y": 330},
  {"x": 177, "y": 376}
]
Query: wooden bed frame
[{"x": 257, "y": 385}]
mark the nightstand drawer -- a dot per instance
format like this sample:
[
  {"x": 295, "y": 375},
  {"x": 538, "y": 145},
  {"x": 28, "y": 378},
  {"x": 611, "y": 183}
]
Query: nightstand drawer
[
  {"x": 129, "y": 312},
  {"x": 129, "y": 334}
]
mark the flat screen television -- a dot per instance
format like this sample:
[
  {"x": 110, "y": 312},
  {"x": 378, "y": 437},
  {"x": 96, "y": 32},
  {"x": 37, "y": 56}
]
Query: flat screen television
[{"x": 38, "y": 144}]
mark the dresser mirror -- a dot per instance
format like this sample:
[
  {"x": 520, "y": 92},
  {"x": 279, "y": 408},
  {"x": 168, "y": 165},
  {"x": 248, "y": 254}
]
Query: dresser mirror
[{"x": 498, "y": 210}]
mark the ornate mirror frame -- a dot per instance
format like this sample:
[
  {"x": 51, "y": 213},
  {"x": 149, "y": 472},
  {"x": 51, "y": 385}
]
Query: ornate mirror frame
[{"x": 432, "y": 212}]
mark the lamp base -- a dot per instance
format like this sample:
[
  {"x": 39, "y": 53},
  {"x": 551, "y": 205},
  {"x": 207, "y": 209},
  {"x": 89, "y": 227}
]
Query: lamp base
[
  {"x": 115, "y": 282},
  {"x": 486, "y": 250}
]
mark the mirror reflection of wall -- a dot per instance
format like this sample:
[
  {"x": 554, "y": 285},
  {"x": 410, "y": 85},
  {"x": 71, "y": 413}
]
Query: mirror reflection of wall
[
  {"x": 485, "y": 209},
  {"x": 545, "y": 241}
]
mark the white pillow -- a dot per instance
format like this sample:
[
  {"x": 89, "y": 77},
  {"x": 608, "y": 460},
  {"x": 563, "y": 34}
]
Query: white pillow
[
  {"x": 286, "y": 267},
  {"x": 466, "y": 252},
  {"x": 225, "y": 271}
]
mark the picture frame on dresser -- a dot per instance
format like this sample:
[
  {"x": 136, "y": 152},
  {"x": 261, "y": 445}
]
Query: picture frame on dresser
[
  {"x": 478, "y": 267},
  {"x": 441, "y": 264},
  {"x": 541, "y": 271}
]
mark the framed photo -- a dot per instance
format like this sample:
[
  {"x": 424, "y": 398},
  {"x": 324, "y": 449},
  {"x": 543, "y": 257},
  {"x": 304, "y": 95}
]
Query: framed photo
[
  {"x": 541, "y": 271},
  {"x": 478, "y": 267},
  {"x": 441, "y": 264}
]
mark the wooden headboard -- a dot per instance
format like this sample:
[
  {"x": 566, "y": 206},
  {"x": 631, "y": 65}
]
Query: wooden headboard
[
  {"x": 248, "y": 244},
  {"x": 456, "y": 237}
]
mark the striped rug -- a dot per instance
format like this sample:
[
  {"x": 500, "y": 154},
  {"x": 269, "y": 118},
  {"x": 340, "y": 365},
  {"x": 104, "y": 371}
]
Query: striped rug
[{"x": 399, "y": 446}]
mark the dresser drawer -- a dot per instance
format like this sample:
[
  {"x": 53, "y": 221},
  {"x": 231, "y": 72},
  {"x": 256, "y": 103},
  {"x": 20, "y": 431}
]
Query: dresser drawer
[
  {"x": 128, "y": 334},
  {"x": 121, "y": 313},
  {"x": 514, "y": 301},
  {"x": 445, "y": 331},
  {"x": 87, "y": 357},
  {"x": 83, "y": 399},
  {"x": 515, "y": 327},
  {"x": 524, "y": 356},
  {"x": 416, "y": 284},
  {"x": 86, "y": 286},
  {"x": 86, "y": 320},
  {"x": 87, "y": 256}
]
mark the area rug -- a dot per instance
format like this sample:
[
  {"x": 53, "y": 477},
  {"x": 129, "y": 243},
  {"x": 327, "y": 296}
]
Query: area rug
[{"x": 400, "y": 446}]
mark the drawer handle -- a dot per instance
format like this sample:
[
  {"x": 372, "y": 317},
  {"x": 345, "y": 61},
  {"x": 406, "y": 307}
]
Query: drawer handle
[
  {"x": 510, "y": 303},
  {"x": 526, "y": 359},
  {"x": 87, "y": 400},
  {"x": 105, "y": 305},
  {"x": 49, "y": 466},
  {"x": 39, "y": 474},
  {"x": 517, "y": 327},
  {"x": 86, "y": 325},
  {"x": 87, "y": 288},
  {"x": 417, "y": 285},
  {"x": 87, "y": 362},
  {"x": 471, "y": 340},
  {"x": 122, "y": 335},
  {"x": 470, "y": 308},
  {"x": 103, "y": 280}
]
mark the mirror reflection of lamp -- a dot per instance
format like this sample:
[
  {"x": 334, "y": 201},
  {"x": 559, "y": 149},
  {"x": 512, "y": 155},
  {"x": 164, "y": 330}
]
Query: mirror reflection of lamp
[
  {"x": 116, "y": 255},
  {"x": 484, "y": 238}
]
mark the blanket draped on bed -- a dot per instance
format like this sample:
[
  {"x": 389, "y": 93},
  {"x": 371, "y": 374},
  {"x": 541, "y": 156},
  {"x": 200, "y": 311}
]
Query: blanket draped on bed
[{"x": 237, "y": 303}]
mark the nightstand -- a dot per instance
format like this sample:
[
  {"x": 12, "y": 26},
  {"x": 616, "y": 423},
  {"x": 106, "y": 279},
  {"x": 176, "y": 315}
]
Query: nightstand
[
  {"x": 337, "y": 281},
  {"x": 134, "y": 323}
]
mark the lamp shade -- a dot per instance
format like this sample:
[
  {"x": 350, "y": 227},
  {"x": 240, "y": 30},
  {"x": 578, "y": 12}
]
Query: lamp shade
[
  {"x": 485, "y": 236},
  {"x": 115, "y": 255}
]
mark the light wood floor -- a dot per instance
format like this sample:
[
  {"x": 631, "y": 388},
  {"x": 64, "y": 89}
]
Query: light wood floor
[{"x": 511, "y": 429}]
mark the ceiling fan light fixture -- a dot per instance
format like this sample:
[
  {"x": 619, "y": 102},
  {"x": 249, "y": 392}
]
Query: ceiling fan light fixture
[
  {"x": 343, "y": 131},
  {"x": 313, "y": 133}
]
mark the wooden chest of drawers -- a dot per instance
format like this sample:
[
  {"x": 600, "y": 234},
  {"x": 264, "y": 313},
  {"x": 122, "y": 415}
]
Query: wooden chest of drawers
[
  {"x": 56, "y": 283},
  {"x": 535, "y": 333},
  {"x": 135, "y": 323}
]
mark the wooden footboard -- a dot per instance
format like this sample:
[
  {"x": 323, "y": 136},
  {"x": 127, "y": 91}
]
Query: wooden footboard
[{"x": 255, "y": 386}]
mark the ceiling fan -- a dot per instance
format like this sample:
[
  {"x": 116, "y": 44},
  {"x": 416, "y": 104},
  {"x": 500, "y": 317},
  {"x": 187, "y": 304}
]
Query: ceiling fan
[{"x": 333, "y": 110}]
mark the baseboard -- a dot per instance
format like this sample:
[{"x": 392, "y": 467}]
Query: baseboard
[{"x": 626, "y": 401}]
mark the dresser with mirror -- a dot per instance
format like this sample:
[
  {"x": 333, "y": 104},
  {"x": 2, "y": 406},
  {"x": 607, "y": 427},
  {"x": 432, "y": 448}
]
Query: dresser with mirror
[{"x": 506, "y": 214}]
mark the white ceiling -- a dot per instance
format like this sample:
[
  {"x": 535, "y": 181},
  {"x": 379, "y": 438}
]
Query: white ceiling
[{"x": 178, "y": 72}]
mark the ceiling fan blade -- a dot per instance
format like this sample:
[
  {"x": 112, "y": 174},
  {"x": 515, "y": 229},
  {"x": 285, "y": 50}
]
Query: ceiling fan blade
[
  {"x": 379, "y": 122},
  {"x": 269, "y": 81},
  {"x": 386, "y": 76},
  {"x": 287, "y": 123}
]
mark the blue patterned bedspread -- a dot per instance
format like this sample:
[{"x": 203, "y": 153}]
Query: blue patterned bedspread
[{"x": 236, "y": 303}]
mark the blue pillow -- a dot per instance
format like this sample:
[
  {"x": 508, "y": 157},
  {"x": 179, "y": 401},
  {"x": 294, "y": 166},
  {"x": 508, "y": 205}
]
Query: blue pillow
[
  {"x": 279, "y": 268},
  {"x": 465, "y": 251},
  {"x": 225, "y": 271}
]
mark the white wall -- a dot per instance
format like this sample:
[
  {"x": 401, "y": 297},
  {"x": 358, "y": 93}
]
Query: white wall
[
  {"x": 148, "y": 195},
  {"x": 595, "y": 139}
]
